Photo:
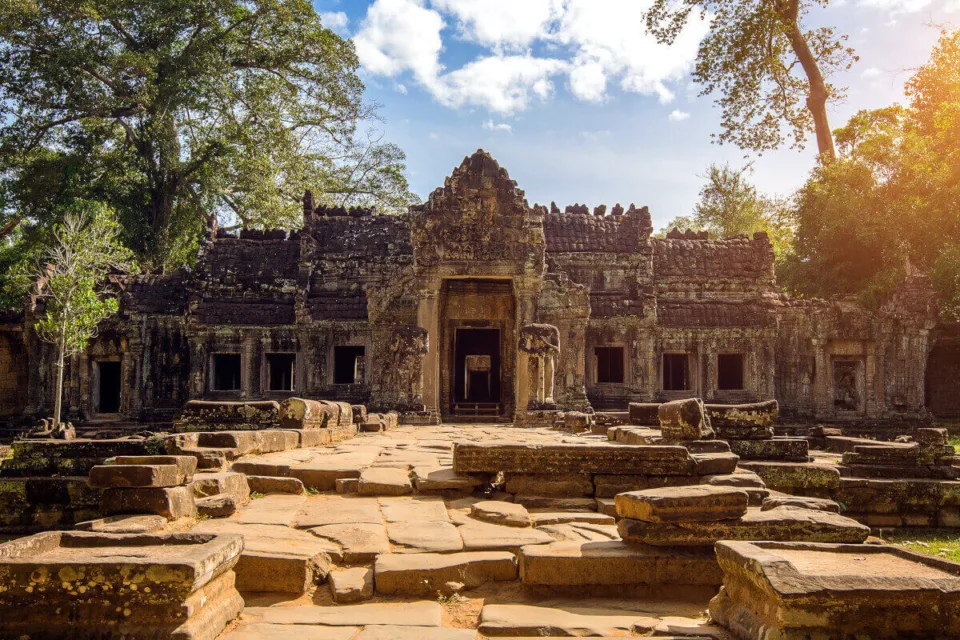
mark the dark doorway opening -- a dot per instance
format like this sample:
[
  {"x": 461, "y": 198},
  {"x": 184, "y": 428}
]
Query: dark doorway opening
[
  {"x": 281, "y": 371},
  {"x": 730, "y": 371},
  {"x": 943, "y": 380},
  {"x": 348, "y": 364},
  {"x": 609, "y": 364},
  {"x": 108, "y": 390},
  {"x": 676, "y": 375},
  {"x": 226, "y": 372},
  {"x": 476, "y": 366}
]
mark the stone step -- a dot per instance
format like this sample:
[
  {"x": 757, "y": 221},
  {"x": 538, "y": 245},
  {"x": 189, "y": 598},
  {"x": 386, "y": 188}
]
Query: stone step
[
  {"x": 351, "y": 585},
  {"x": 617, "y": 563},
  {"x": 385, "y": 481},
  {"x": 682, "y": 504},
  {"x": 403, "y": 614},
  {"x": 432, "y": 573},
  {"x": 360, "y": 543}
]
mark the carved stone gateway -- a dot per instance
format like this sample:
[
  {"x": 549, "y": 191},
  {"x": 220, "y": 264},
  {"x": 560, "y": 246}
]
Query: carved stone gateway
[
  {"x": 409, "y": 344},
  {"x": 541, "y": 343}
]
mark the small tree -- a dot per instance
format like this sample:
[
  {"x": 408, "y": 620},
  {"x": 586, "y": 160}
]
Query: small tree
[{"x": 85, "y": 248}]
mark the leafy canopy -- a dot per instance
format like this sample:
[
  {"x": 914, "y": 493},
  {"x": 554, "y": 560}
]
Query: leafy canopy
[
  {"x": 174, "y": 111},
  {"x": 891, "y": 202}
]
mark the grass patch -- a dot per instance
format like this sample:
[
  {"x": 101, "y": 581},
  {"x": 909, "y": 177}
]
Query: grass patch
[
  {"x": 943, "y": 543},
  {"x": 955, "y": 442}
]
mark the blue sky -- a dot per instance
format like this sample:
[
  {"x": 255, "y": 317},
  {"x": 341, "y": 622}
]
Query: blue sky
[{"x": 579, "y": 104}]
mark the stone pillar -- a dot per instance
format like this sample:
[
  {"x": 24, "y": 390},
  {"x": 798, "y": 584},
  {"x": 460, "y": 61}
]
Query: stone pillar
[
  {"x": 131, "y": 394},
  {"x": 428, "y": 318},
  {"x": 197, "y": 386},
  {"x": 249, "y": 374}
]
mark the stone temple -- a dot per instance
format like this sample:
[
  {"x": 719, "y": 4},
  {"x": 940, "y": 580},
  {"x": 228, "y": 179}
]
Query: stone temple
[
  {"x": 423, "y": 312},
  {"x": 482, "y": 419}
]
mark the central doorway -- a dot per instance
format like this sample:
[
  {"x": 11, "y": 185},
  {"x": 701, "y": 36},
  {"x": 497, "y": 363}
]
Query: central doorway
[
  {"x": 476, "y": 372},
  {"x": 108, "y": 387}
]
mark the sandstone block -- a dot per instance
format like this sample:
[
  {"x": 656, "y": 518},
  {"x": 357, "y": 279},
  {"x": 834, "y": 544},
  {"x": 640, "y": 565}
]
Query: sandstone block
[
  {"x": 716, "y": 463},
  {"x": 433, "y": 480},
  {"x": 424, "y": 537},
  {"x": 556, "y": 504},
  {"x": 124, "y": 524},
  {"x": 701, "y": 503},
  {"x": 824, "y": 590},
  {"x": 556, "y": 486},
  {"x": 428, "y": 574},
  {"x": 682, "y": 420},
  {"x": 351, "y": 585},
  {"x": 269, "y": 484},
  {"x": 786, "y": 449},
  {"x": 360, "y": 543},
  {"x": 781, "y": 524},
  {"x": 608, "y": 486},
  {"x": 526, "y": 620},
  {"x": 347, "y": 485},
  {"x": 505, "y": 513},
  {"x": 755, "y": 414},
  {"x": 800, "y": 502},
  {"x": 407, "y": 614},
  {"x": 617, "y": 563},
  {"x": 115, "y": 475},
  {"x": 380, "y": 481},
  {"x": 171, "y": 503},
  {"x": 644, "y": 413},
  {"x": 186, "y": 465},
  {"x": 216, "y": 506},
  {"x": 564, "y": 459},
  {"x": 226, "y": 483}
]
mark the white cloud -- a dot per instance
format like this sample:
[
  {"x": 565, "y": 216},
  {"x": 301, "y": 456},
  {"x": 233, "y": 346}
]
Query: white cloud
[
  {"x": 400, "y": 35},
  {"x": 489, "y": 125},
  {"x": 400, "y": 88},
  {"x": 871, "y": 72},
  {"x": 678, "y": 116},
  {"x": 594, "y": 43},
  {"x": 336, "y": 20},
  {"x": 593, "y": 136},
  {"x": 894, "y": 7},
  {"x": 501, "y": 24},
  {"x": 503, "y": 84},
  {"x": 433, "y": 135}
]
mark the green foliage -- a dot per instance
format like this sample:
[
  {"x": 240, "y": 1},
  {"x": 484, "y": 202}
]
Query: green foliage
[
  {"x": 890, "y": 204},
  {"x": 730, "y": 205},
  {"x": 769, "y": 74},
  {"x": 173, "y": 111}
]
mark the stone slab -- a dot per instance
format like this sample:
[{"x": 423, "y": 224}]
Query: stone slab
[
  {"x": 617, "y": 563},
  {"x": 782, "y": 524},
  {"x": 186, "y": 465},
  {"x": 414, "y": 633},
  {"x": 439, "y": 479},
  {"x": 360, "y": 543},
  {"x": 124, "y": 524},
  {"x": 481, "y": 536},
  {"x": 351, "y": 585},
  {"x": 424, "y": 537},
  {"x": 267, "y": 485},
  {"x": 323, "y": 510},
  {"x": 273, "y": 509},
  {"x": 171, "y": 502},
  {"x": 505, "y": 513},
  {"x": 416, "y": 509},
  {"x": 821, "y": 590},
  {"x": 384, "y": 481},
  {"x": 266, "y": 631},
  {"x": 683, "y": 504},
  {"x": 430, "y": 573},
  {"x": 788, "y": 477},
  {"x": 554, "y": 486},
  {"x": 786, "y": 449},
  {"x": 403, "y": 614},
  {"x": 572, "y": 459}
]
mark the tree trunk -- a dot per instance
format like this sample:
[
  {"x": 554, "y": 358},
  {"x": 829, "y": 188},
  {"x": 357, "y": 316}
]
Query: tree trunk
[
  {"x": 58, "y": 398},
  {"x": 817, "y": 98}
]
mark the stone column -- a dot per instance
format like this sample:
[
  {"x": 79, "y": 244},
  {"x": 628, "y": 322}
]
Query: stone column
[
  {"x": 248, "y": 372},
  {"x": 198, "y": 367},
  {"x": 428, "y": 318}
]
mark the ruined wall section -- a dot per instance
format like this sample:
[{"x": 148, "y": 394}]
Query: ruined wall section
[
  {"x": 611, "y": 256},
  {"x": 14, "y": 366},
  {"x": 357, "y": 280}
]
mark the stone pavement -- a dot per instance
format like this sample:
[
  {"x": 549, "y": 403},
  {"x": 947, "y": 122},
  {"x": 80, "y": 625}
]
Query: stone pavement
[{"x": 413, "y": 551}]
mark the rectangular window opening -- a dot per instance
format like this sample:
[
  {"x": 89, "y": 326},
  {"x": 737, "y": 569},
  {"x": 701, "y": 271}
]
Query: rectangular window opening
[
  {"x": 676, "y": 375},
  {"x": 348, "y": 364},
  {"x": 730, "y": 371},
  {"x": 281, "y": 371},
  {"x": 609, "y": 364},
  {"x": 226, "y": 372}
]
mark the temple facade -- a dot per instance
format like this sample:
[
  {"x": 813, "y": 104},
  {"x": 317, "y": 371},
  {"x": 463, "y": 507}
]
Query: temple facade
[{"x": 441, "y": 314}]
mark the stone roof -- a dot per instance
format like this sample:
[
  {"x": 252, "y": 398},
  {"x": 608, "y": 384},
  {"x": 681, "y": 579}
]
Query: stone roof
[
  {"x": 579, "y": 233},
  {"x": 156, "y": 294}
]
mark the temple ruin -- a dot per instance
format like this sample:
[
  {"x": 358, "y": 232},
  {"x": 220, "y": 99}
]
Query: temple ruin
[
  {"x": 481, "y": 419},
  {"x": 423, "y": 312}
]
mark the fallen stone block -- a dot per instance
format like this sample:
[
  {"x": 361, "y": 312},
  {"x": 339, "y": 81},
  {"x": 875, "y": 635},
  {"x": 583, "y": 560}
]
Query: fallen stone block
[
  {"x": 786, "y": 449},
  {"x": 682, "y": 420},
  {"x": 430, "y": 573},
  {"x": 804, "y": 478},
  {"x": 171, "y": 502},
  {"x": 242, "y": 442},
  {"x": 216, "y": 507},
  {"x": 572, "y": 459},
  {"x": 716, "y": 463},
  {"x": 644, "y": 413},
  {"x": 782, "y": 524},
  {"x": 823, "y": 590},
  {"x": 125, "y": 476},
  {"x": 212, "y": 415},
  {"x": 124, "y": 524},
  {"x": 118, "y": 585},
  {"x": 800, "y": 502},
  {"x": 360, "y": 543},
  {"x": 299, "y": 413},
  {"x": 351, "y": 585},
  {"x": 700, "y": 503},
  {"x": 554, "y": 486},
  {"x": 608, "y": 486},
  {"x": 754, "y": 414},
  {"x": 381, "y": 481},
  {"x": 424, "y": 537},
  {"x": 438, "y": 480},
  {"x": 505, "y": 513},
  {"x": 225, "y": 483},
  {"x": 617, "y": 563},
  {"x": 269, "y": 484}
]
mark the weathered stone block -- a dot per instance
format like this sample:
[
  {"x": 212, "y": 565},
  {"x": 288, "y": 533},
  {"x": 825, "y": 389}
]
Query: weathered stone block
[
  {"x": 786, "y": 449},
  {"x": 558, "y": 486},
  {"x": 572, "y": 459},
  {"x": 429, "y": 573},
  {"x": 644, "y": 413},
  {"x": 743, "y": 416},
  {"x": 186, "y": 465},
  {"x": 823, "y": 590},
  {"x": 171, "y": 503},
  {"x": 134, "y": 475},
  {"x": 211, "y": 415},
  {"x": 676, "y": 504},
  {"x": 682, "y": 420},
  {"x": 299, "y": 413}
]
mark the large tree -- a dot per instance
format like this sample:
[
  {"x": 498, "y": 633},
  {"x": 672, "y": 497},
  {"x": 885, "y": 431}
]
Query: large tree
[
  {"x": 189, "y": 108},
  {"x": 891, "y": 202},
  {"x": 771, "y": 73}
]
